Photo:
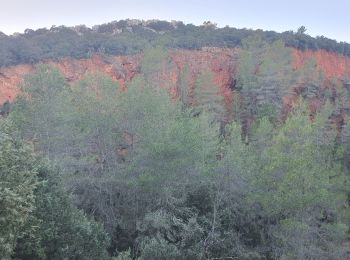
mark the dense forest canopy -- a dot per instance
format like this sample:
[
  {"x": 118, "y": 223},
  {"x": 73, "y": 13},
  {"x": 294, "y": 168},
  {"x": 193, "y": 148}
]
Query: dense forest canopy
[
  {"x": 94, "y": 170},
  {"x": 138, "y": 175},
  {"x": 132, "y": 36}
]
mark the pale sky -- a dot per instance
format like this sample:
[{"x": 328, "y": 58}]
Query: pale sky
[{"x": 322, "y": 17}]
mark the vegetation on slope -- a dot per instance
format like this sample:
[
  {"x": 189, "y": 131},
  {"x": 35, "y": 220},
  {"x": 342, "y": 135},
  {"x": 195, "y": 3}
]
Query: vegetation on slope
[
  {"x": 153, "y": 177},
  {"x": 132, "y": 36}
]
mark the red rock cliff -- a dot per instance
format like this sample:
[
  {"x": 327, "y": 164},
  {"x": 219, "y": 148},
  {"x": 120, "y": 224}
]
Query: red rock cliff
[
  {"x": 124, "y": 68},
  {"x": 222, "y": 62}
]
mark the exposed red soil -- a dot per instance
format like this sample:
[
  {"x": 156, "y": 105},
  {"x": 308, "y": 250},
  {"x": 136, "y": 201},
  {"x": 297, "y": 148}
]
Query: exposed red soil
[
  {"x": 10, "y": 79},
  {"x": 332, "y": 64},
  {"x": 220, "y": 61}
]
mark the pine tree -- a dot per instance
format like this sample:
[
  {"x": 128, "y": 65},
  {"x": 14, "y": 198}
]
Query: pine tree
[
  {"x": 301, "y": 189},
  {"x": 207, "y": 97}
]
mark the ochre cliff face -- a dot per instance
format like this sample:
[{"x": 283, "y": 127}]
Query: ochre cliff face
[
  {"x": 120, "y": 68},
  {"x": 221, "y": 62},
  {"x": 10, "y": 80},
  {"x": 333, "y": 65}
]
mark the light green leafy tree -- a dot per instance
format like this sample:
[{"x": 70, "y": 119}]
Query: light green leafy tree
[
  {"x": 38, "y": 112},
  {"x": 57, "y": 229},
  {"x": 18, "y": 180}
]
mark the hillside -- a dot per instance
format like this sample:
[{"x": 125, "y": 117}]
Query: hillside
[
  {"x": 127, "y": 37},
  {"x": 156, "y": 140},
  {"x": 222, "y": 62}
]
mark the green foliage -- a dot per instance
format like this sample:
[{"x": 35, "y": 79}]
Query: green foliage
[
  {"x": 37, "y": 217},
  {"x": 267, "y": 111},
  {"x": 158, "y": 177},
  {"x": 184, "y": 88},
  {"x": 62, "y": 231},
  {"x": 265, "y": 70},
  {"x": 5, "y": 109},
  {"x": 95, "y": 134},
  {"x": 45, "y": 83},
  {"x": 18, "y": 180},
  {"x": 208, "y": 98},
  {"x": 153, "y": 60},
  {"x": 39, "y": 111},
  {"x": 265, "y": 76},
  {"x": 159, "y": 249},
  {"x": 129, "y": 37},
  {"x": 291, "y": 187},
  {"x": 125, "y": 255},
  {"x": 301, "y": 30},
  {"x": 299, "y": 186},
  {"x": 310, "y": 78}
]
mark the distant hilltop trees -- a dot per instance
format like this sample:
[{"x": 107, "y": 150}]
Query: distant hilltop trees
[{"x": 132, "y": 36}]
